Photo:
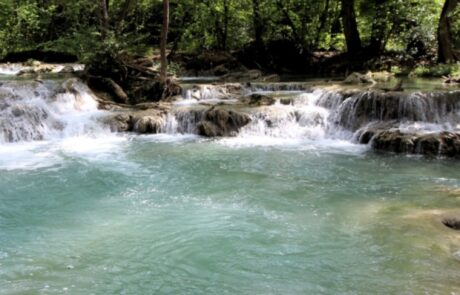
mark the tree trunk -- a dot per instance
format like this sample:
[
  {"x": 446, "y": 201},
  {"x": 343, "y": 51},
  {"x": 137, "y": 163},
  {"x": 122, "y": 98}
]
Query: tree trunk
[
  {"x": 379, "y": 29},
  {"x": 322, "y": 23},
  {"x": 350, "y": 27},
  {"x": 295, "y": 31},
  {"x": 164, "y": 41},
  {"x": 258, "y": 24},
  {"x": 446, "y": 51},
  {"x": 103, "y": 5},
  {"x": 126, "y": 9},
  {"x": 225, "y": 29}
]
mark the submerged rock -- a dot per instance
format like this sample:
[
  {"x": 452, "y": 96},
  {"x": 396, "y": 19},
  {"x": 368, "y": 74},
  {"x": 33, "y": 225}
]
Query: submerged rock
[{"x": 221, "y": 122}]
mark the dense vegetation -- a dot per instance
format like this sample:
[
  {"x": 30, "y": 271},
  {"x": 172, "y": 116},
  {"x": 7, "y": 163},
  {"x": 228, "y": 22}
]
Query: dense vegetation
[{"x": 260, "y": 32}]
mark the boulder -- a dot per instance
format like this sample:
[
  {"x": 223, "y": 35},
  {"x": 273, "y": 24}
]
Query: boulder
[
  {"x": 287, "y": 101},
  {"x": 120, "y": 123},
  {"x": 250, "y": 75},
  {"x": 27, "y": 71},
  {"x": 382, "y": 76},
  {"x": 32, "y": 63},
  {"x": 271, "y": 78},
  {"x": 221, "y": 122},
  {"x": 453, "y": 223},
  {"x": 393, "y": 141},
  {"x": 148, "y": 124},
  {"x": 258, "y": 100},
  {"x": 149, "y": 121},
  {"x": 67, "y": 69},
  {"x": 431, "y": 144},
  {"x": 357, "y": 78},
  {"x": 221, "y": 70}
]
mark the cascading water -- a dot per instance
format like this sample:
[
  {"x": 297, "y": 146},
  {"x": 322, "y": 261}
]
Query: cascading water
[
  {"x": 303, "y": 118},
  {"x": 17, "y": 68},
  {"x": 31, "y": 110},
  {"x": 362, "y": 108},
  {"x": 322, "y": 113}
]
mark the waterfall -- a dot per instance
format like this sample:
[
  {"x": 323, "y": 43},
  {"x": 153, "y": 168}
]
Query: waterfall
[
  {"x": 323, "y": 113},
  {"x": 45, "y": 110},
  {"x": 362, "y": 108},
  {"x": 32, "y": 110},
  {"x": 303, "y": 118}
]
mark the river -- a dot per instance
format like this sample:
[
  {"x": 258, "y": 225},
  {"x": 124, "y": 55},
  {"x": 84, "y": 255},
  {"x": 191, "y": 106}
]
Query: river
[{"x": 84, "y": 210}]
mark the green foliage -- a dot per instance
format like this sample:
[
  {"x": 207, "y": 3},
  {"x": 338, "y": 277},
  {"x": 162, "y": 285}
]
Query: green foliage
[
  {"x": 396, "y": 70},
  {"x": 74, "y": 26},
  {"x": 438, "y": 70}
]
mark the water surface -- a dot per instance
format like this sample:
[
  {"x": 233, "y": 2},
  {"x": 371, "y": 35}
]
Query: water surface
[{"x": 184, "y": 215}]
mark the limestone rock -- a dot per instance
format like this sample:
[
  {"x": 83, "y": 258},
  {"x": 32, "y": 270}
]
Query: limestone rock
[
  {"x": 148, "y": 125},
  {"x": 221, "y": 122},
  {"x": 431, "y": 144},
  {"x": 257, "y": 99},
  {"x": 120, "y": 123},
  {"x": 271, "y": 78},
  {"x": 382, "y": 76},
  {"x": 357, "y": 78},
  {"x": 250, "y": 75},
  {"x": 287, "y": 101},
  {"x": 67, "y": 69}
]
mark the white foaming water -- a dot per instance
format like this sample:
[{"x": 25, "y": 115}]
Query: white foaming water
[
  {"x": 304, "y": 119},
  {"x": 41, "y": 123},
  {"x": 210, "y": 92},
  {"x": 192, "y": 101},
  {"x": 14, "y": 68},
  {"x": 27, "y": 156},
  {"x": 10, "y": 69},
  {"x": 46, "y": 111}
]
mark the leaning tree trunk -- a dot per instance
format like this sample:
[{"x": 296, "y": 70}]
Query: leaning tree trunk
[
  {"x": 164, "y": 40},
  {"x": 350, "y": 27},
  {"x": 104, "y": 7},
  {"x": 446, "y": 51}
]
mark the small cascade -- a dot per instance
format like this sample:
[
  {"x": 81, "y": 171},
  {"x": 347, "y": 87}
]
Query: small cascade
[
  {"x": 31, "y": 110},
  {"x": 279, "y": 87},
  {"x": 360, "y": 109},
  {"x": 211, "y": 92},
  {"x": 182, "y": 121},
  {"x": 18, "y": 68},
  {"x": 302, "y": 119},
  {"x": 326, "y": 113},
  {"x": 232, "y": 91}
]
